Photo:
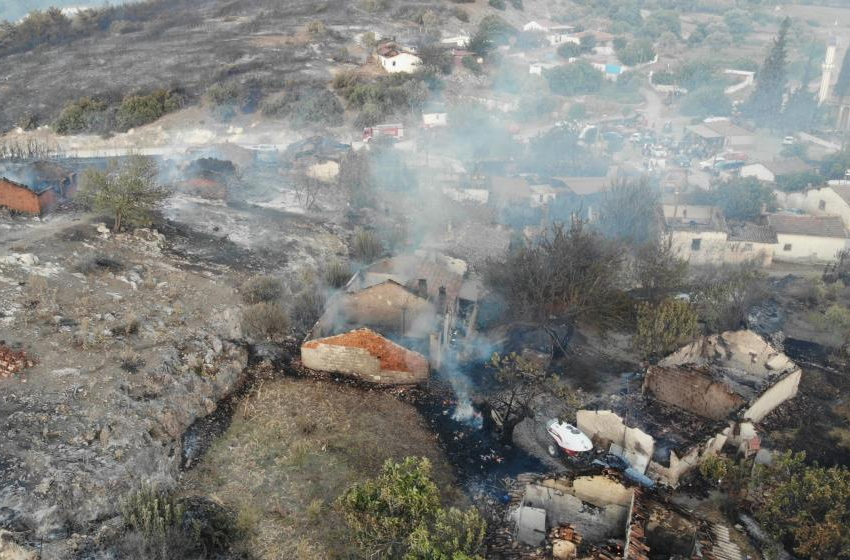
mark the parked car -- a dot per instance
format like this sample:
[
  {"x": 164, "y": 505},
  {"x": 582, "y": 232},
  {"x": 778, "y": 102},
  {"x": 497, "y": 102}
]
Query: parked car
[
  {"x": 710, "y": 163},
  {"x": 788, "y": 141},
  {"x": 611, "y": 461},
  {"x": 635, "y": 138},
  {"x": 683, "y": 161}
]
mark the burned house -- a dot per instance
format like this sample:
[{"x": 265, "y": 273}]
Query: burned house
[
  {"x": 36, "y": 188},
  {"x": 421, "y": 303},
  {"x": 703, "y": 397},
  {"x": 317, "y": 157},
  {"x": 601, "y": 518},
  {"x": 206, "y": 177}
]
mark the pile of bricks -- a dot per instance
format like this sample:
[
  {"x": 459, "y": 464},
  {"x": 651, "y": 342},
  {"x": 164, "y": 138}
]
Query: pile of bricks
[{"x": 11, "y": 361}]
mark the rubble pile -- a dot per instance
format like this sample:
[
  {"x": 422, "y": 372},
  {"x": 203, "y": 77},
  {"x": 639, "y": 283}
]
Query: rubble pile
[{"x": 11, "y": 361}]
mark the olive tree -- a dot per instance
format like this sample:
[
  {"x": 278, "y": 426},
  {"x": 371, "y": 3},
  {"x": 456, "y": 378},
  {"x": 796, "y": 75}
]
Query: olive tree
[{"x": 129, "y": 191}]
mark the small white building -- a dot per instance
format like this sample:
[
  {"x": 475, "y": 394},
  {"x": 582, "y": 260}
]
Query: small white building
[
  {"x": 555, "y": 33},
  {"x": 433, "y": 119},
  {"x": 460, "y": 40},
  {"x": 830, "y": 200},
  {"x": 770, "y": 171},
  {"x": 808, "y": 238},
  {"x": 394, "y": 59},
  {"x": 541, "y": 195}
]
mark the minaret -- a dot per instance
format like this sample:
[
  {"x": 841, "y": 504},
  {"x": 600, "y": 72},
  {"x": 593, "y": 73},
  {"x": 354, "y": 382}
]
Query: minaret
[{"x": 827, "y": 67}]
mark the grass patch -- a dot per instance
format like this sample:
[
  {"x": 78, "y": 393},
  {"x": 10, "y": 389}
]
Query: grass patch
[{"x": 294, "y": 446}]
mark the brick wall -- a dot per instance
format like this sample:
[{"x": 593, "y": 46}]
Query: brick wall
[
  {"x": 47, "y": 200},
  {"x": 692, "y": 390},
  {"x": 358, "y": 363},
  {"x": 18, "y": 198},
  {"x": 389, "y": 307}
]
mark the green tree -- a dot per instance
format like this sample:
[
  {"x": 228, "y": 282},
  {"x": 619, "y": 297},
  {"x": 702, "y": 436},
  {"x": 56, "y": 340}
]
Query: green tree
[
  {"x": 835, "y": 165},
  {"x": 130, "y": 191},
  {"x": 399, "y": 514},
  {"x": 738, "y": 22},
  {"x": 629, "y": 212},
  {"x": 636, "y": 52},
  {"x": 569, "y": 50},
  {"x": 707, "y": 101},
  {"x": 743, "y": 198},
  {"x": 765, "y": 103},
  {"x": 664, "y": 327},
  {"x": 455, "y": 535},
  {"x": 577, "y": 78},
  {"x": 660, "y": 22},
  {"x": 806, "y": 505}
]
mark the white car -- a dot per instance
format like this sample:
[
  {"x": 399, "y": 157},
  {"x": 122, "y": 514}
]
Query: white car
[
  {"x": 788, "y": 141},
  {"x": 568, "y": 439},
  {"x": 710, "y": 163}
]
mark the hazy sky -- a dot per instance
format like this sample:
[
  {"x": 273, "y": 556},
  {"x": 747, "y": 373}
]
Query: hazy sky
[{"x": 13, "y": 10}]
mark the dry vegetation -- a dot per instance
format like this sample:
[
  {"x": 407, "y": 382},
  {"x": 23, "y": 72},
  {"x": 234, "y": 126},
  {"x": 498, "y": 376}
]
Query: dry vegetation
[{"x": 293, "y": 447}]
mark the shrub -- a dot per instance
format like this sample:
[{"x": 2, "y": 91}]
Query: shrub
[
  {"x": 574, "y": 79},
  {"x": 83, "y": 115},
  {"x": 460, "y": 14},
  {"x": 138, "y": 110},
  {"x": 307, "y": 308},
  {"x": 262, "y": 289},
  {"x": 337, "y": 274},
  {"x": 265, "y": 321},
  {"x": 366, "y": 247},
  {"x": 223, "y": 94},
  {"x": 375, "y": 5},
  {"x": 316, "y": 27},
  {"x": 152, "y": 512},
  {"x": 498, "y": 4},
  {"x": 569, "y": 50},
  {"x": 470, "y": 62},
  {"x": 306, "y": 106}
]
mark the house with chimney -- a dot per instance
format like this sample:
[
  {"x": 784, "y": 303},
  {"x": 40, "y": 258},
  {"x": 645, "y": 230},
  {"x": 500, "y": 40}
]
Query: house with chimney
[
  {"x": 413, "y": 306},
  {"x": 36, "y": 187}
]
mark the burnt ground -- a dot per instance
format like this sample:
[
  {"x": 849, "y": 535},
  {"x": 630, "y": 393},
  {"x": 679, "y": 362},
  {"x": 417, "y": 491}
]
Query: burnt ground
[{"x": 189, "y": 45}]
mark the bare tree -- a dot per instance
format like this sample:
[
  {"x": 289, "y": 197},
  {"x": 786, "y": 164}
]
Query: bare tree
[
  {"x": 306, "y": 190},
  {"x": 522, "y": 382}
]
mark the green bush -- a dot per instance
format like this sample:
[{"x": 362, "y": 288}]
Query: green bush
[
  {"x": 138, "y": 110},
  {"x": 574, "y": 79},
  {"x": 152, "y": 512},
  {"x": 470, "y": 62},
  {"x": 84, "y": 115},
  {"x": 498, "y": 4},
  {"x": 569, "y": 50},
  {"x": 223, "y": 94},
  {"x": 306, "y": 106}
]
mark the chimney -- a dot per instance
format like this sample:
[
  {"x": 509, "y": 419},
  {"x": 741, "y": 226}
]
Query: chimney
[
  {"x": 441, "y": 300},
  {"x": 423, "y": 288}
]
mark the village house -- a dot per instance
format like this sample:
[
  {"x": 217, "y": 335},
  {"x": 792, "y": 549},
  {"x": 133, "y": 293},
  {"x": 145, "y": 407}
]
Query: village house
[
  {"x": 36, "y": 188},
  {"x": 701, "y": 236},
  {"x": 828, "y": 200},
  {"x": 393, "y": 59},
  {"x": 698, "y": 233},
  {"x": 542, "y": 195},
  {"x": 771, "y": 171},
  {"x": 555, "y": 33},
  {"x": 808, "y": 238},
  {"x": 414, "y": 301},
  {"x": 702, "y": 399}
]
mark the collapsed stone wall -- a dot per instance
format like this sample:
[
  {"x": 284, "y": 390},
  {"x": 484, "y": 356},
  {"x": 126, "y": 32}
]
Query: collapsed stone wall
[{"x": 692, "y": 390}]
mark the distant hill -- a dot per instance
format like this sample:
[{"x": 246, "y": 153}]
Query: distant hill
[{"x": 13, "y": 10}]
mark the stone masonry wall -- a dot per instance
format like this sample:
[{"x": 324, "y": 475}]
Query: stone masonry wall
[{"x": 693, "y": 391}]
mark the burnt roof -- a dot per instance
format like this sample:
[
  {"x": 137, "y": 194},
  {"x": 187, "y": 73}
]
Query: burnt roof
[{"x": 752, "y": 233}]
